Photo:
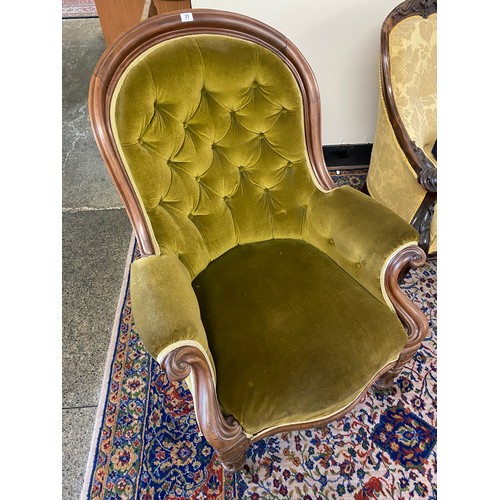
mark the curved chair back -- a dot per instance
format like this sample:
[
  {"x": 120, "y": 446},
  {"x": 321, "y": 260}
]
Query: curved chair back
[
  {"x": 192, "y": 117},
  {"x": 403, "y": 170},
  {"x": 409, "y": 75}
]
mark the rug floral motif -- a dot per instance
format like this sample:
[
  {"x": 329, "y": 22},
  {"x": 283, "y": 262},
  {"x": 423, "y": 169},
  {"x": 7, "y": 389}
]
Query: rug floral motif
[
  {"x": 148, "y": 444},
  {"x": 355, "y": 177}
]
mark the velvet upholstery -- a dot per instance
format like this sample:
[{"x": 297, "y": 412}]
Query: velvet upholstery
[
  {"x": 220, "y": 162},
  {"x": 286, "y": 326},
  {"x": 357, "y": 232},
  {"x": 413, "y": 70},
  {"x": 210, "y": 129},
  {"x": 165, "y": 305}
]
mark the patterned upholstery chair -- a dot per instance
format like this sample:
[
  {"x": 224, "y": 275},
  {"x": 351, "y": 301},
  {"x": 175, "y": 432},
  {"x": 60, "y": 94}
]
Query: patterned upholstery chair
[
  {"x": 403, "y": 168},
  {"x": 272, "y": 292}
]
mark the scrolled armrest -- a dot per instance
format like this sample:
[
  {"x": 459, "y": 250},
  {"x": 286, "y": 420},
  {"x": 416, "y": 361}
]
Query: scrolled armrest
[
  {"x": 165, "y": 307},
  {"x": 427, "y": 175},
  {"x": 359, "y": 233},
  {"x": 168, "y": 320}
]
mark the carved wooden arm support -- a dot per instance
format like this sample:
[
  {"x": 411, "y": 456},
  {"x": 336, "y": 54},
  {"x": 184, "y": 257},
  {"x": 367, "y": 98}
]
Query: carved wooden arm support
[
  {"x": 224, "y": 433},
  {"x": 423, "y": 218},
  {"x": 414, "y": 321},
  {"x": 427, "y": 176},
  {"x": 428, "y": 179}
]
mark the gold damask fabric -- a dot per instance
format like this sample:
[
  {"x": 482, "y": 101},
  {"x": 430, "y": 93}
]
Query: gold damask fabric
[
  {"x": 413, "y": 59},
  {"x": 413, "y": 64},
  {"x": 391, "y": 179}
]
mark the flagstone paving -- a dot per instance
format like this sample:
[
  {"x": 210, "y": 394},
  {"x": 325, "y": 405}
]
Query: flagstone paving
[{"x": 96, "y": 236}]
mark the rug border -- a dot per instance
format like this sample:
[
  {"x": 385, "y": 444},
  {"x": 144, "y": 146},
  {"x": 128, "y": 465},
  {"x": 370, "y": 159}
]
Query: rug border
[{"x": 93, "y": 452}]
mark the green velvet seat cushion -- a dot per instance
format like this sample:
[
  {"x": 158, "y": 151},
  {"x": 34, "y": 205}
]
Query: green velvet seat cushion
[{"x": 294, "y": 338}]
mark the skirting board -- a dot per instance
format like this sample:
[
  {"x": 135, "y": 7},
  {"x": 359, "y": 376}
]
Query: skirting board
[{"x": 348, "y": 156}]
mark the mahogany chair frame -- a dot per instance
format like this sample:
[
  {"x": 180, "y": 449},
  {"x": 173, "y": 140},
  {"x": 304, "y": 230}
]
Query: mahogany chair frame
[
  {"x": 224, "y": 433},
  {"x": 424, "y": 168}
]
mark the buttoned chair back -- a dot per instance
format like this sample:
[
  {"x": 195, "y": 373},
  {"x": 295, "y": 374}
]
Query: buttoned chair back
[{"x": 211, "y": 130}]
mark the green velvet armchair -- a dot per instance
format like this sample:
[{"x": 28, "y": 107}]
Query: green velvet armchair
[
  {"x": 403, "y": 164},
  {"x": 271, "y": 291}
]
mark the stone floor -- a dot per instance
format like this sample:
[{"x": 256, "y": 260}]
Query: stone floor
[{"x": 96, "y": 236}]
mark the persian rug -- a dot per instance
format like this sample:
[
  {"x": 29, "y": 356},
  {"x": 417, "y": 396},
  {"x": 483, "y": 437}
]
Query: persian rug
[
  {"x": 78, "y": 8},
  {"x": 147, "y": 446},
  {"x": 355, "y": 178}
]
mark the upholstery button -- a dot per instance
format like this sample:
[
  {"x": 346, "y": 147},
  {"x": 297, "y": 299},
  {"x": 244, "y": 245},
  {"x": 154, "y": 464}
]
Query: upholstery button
[
  {"x": 185, "y": 125},
  {"x": 255, "y": 85},
  {"x": 226, "y": 199},
  {"x": 289, "y": 164},
  {"x": 190, "y": 216},
  {"x": 197, "y": 178},
  {"x": 261, "y": 136},
  {"x": 284, "y": 110},
  {"x": 358, "y": 265},
  {"x": 266, "y": 190},
  {"x": 331, "y": 241}
]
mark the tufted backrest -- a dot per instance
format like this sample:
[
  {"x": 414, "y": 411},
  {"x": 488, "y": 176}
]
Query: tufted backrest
[
  {"x": 211, "y": 131},
  {"x": 413, "y": 55}
]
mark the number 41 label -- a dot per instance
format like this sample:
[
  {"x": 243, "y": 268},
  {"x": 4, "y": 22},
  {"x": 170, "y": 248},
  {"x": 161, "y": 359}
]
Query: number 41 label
[{"x": 186, "y": 17}]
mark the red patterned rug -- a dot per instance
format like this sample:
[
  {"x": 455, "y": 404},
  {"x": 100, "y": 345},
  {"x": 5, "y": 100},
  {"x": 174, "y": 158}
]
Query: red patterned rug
[
  {"x": 78, "y": 8},
  {"x": 146, "y": 443}
]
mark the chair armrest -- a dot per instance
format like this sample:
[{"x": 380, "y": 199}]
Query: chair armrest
[
  {"x": 168, "y": 320},
  {"x": 165, "y": 307},
  {"x": 359, "y": 233},
  {"x": 427, "y": 176}
]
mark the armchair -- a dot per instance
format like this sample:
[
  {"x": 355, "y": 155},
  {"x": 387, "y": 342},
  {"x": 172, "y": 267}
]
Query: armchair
[
  {"x": 272, "y": 292},
  {"x": 403, "y": 168}
]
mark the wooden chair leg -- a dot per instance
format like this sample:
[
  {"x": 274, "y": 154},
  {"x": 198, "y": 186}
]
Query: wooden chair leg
[{"x": 225, "y": 434}]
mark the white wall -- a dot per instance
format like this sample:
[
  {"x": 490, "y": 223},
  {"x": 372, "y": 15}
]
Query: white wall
[{"x": 340, "y": 39}]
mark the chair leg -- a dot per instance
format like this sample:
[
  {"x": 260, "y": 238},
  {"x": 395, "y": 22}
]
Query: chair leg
[
  {"x": 388, "y": 378},
  {"x": 232, "y": 456},
  {"x": 223, "y": 433}
]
